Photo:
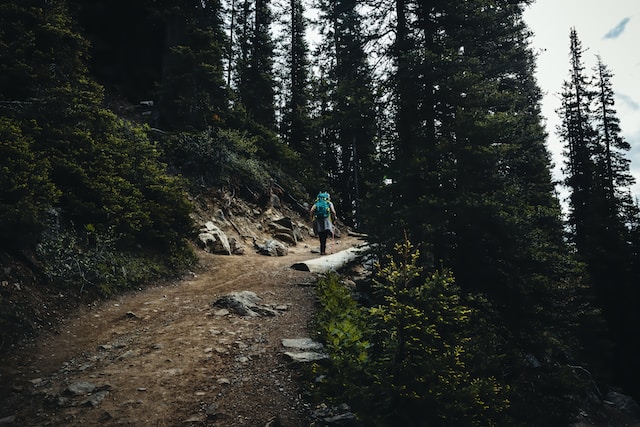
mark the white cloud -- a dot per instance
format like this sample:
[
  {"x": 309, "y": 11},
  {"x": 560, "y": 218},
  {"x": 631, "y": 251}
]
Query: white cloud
[
  {"x": 627, "y": 101},
  {"x": 616, "y": 31}
]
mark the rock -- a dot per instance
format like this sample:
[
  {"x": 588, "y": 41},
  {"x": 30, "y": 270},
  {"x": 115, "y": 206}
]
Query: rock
[
  {"x": 305, "y": 356},
  {"x": 302, "y": 344},
  {"x": 95, "y": 399},
  {"x": 284, "y": 222},
  {"x": 219, "y": 216},
  {"x": 272, "y": 214},
  {"x": 211, "y": 409},
  {"x": 274, "y": 201},
  {"x": 80, "y": 388},
  {"x": 623, "y": 403},
  {"x": 272, "y": 248},
  {"x": 7, "y": 420},
  {"x": 214, "y": 240},
  {"x": 284, "y": 229},
  {"x": 244, "y": 303},
  {"x": 237, "y": 248},
  {"x": 337, "y": 415},
  {"x": 127, "y": 354}
]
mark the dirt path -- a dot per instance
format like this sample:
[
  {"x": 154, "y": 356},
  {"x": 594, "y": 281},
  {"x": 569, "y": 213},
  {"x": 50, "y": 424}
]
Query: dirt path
[{"x": 165, "y": 356}]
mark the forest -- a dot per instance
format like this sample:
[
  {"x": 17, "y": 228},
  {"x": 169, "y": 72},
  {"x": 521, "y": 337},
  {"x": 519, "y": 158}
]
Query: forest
[{"x": 490, "y": 307}]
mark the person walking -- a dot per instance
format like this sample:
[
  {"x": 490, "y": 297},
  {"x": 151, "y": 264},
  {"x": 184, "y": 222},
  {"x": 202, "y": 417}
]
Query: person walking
[{"x": 323, "y": 214}]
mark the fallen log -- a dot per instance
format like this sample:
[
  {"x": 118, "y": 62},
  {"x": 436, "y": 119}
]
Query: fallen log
[
  {"x": 332, "y": 262},
  {"x": 356, "y": 234}
]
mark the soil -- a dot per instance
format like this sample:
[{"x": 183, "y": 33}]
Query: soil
[{"x": 167, "y": 356}]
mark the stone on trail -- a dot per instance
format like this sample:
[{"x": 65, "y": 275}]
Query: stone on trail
[
  {"x": 302, "y": 343},
  {"x": 306, "y": 350},
  {"x": 305, "y": 356},
  {"x": 80, "y": 388},
  {"x": 245, "y": 303},
  {"x": 95, "y": 399},
  {"x": 272, "y": 248}
]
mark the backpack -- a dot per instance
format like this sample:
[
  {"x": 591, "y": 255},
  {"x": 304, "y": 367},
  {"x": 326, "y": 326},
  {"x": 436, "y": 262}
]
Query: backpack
[{"x": 323, "y": 208}]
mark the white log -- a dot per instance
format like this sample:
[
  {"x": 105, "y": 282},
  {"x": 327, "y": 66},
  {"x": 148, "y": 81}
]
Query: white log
[{"x": 331, "y": 262}]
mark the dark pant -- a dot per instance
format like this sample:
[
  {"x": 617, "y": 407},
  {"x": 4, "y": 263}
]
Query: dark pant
[{"x": 323, "y": 241}]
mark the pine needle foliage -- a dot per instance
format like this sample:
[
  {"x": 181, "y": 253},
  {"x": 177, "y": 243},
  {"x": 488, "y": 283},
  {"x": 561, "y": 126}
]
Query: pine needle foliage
[{"x": 410, "y": 355}]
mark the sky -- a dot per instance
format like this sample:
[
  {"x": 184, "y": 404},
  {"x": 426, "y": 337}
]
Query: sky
[{"x": 610, "y": 29}]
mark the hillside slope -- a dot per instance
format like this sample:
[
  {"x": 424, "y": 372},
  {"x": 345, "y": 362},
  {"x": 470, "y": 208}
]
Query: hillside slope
[{"x": 167, "y": 356}]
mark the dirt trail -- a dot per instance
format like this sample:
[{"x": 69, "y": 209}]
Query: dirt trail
[{"x": 165, "y": 356}]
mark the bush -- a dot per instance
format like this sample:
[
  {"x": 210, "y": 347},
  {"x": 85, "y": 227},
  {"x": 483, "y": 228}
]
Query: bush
[
  {"x": 25, "y": 188},
  {"x": 217, "y": 158},
  {"x": 89, "y": 261},
  {"x": 406, "y": 360}
]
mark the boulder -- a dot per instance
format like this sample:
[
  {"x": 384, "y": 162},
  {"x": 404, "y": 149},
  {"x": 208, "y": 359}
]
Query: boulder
[
  {"x": 285, "y": 230},
  {"x": 301, "y": 344},
  {"x": 305, "y": 356},
  {"x": 623, "y": 403},
  {"x": 214, "y": 240},
  {"x": 274, "y": 201},
  {"x": 237, "y": 248},
  {"x": 272, "y": 248},
  {"x": 303, "y": 350},
  {"x": 245, "y": 303}
]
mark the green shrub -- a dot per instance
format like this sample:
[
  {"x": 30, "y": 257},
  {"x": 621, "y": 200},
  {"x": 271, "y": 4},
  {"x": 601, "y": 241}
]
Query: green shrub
[
  {"x": 406, "y": 360},
  {"x": 217, "y": 157},
  {"x": 89, "y": 261},
  {"x": 25, "y": 187}
]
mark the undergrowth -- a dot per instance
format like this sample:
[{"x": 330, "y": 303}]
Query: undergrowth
[
  {"x": 407, "y": 359},
  {"x": 87, "y": 260}
]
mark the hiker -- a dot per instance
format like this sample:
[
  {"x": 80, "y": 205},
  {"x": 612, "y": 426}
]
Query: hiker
[{"x": 323, "y": 213}]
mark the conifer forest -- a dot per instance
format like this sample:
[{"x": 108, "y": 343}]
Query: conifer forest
[{"x": 495, "y": 302}]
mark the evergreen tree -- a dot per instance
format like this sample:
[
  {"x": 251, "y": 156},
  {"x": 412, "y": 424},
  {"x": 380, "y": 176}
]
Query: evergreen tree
[
  {"x": 106, "y": 171},
  {"x": 296, "y": 116},
  {"x": 193, "y": 94},
  {"x": 352, "y": 105},
  {"x": 611, "y": 160},
  {"x": 472, "y": 181},
  {"x": 126, "y": 44},
  {"x": 601, "y": 207},
  {"x": 578, "y": 132},
  {"x": 255, "y": 66},
  {"x": 26, "y": 191}
]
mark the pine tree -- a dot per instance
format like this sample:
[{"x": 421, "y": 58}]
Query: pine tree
[
  {"x": 126, "y": 44},
  {"x": 577, "y": 130},
  {"x": 193, "y": 94},
  {"x": 602, "y": 210},
  {"x": 105, "y": 170},
  {"x": 296, "y": 115},
  {"x": 612, "y": 163},
  {"x": 255, "y": 67},
  {"x": 473, "y": 184},
  {"x": 353, "y": 109}
]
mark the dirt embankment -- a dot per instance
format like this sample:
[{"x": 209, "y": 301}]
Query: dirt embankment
[{"x": 166, "y": 356}]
